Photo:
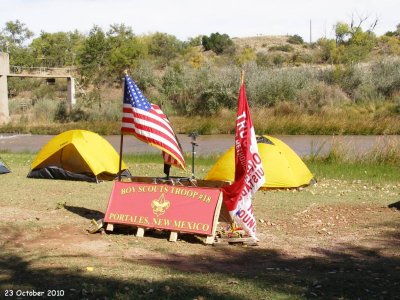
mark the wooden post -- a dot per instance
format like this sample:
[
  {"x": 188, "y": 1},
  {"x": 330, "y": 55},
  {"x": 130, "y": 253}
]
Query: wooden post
[
  {"x": 242, "y": 77},
  {"x": 140, "y": 232},
  {"x": 173, "y": 237}
]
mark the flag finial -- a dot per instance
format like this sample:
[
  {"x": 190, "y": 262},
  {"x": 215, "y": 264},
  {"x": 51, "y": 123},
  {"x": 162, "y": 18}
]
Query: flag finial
[{"x": 126, "y": 71}]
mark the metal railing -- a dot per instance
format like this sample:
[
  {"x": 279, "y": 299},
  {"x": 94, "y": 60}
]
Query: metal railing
[{"x": 42, "y": 70}]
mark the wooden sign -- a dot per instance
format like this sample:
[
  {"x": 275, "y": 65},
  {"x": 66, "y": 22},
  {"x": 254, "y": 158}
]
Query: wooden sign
[{"x": 174, "y": 208}]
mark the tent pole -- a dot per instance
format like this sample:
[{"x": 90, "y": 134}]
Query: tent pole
[{"x": 120, "y": 156}]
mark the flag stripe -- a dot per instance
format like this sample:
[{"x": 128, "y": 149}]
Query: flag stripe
[
  {"x": 154, "y": 140},
  {"x": 149, "y": 130},
  {"x": 149, "y": 124},
  {"x": 146, "y": 119},
  {"x": 155, "y": 114}
]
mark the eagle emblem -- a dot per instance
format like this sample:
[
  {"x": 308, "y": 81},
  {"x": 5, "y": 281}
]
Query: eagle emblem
[{"x": 160, "y": 205}]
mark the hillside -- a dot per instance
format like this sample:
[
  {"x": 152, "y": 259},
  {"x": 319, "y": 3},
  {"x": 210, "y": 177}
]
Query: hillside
[
  {"x": 268, "y": 43},
  {"x": 262, "y": 43}
]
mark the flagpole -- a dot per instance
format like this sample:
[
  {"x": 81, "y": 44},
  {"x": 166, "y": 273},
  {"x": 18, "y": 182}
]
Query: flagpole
[
  {"x": 121, "y": 144},
  {"x": 120, "y": 156},
  {"x": 242, "y": 77}
]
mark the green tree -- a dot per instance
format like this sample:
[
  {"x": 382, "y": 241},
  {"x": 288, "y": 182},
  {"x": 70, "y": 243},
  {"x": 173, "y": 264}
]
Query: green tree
[
  {"x": 194, "y": 41},
  {"x": 164, "y": 46},
  {"x": 12, "y": 39},
  {"x": 16, "y": 33},
  {"x": 353, "y": 44},
  {"x": 93, "y": 55},
  {"x": 359, "y": 46},
  {"x": 93, "y": 59},
  {"x": 342, "y": 32},
  {"x": 56, "y": 49},
  {"x": 125, "y": 49},
  {"x": 219, "y": 43}
]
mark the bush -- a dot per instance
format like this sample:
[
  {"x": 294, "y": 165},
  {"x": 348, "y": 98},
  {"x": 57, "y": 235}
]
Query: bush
[
  {"x": 278, "y": 60},
  {"x": 109, "y": 111},
  {"x": 143, "y": 75},
  {"x": 317, "y": 95},
  {"x": 348, "y": 77},
  {"x": 386, "y": 79},
  {"x": 283, "y": 48},
  {"x": 247, "y": 54},
  {"x": 77, "y": 114},
  {"x": 18, "y": 85},
  {"x": 43, "y": 92},
  {"x": 17, "y": 106},
  {"x": 200, "y": 91},
  {"x": 263, "y": 60},
  {"x": 61, "y": 113},
  {"x": 326, "y": 50},
  {"x": 270, "y": 86},
  {"x": 301, "y": 58},
  {"x": 44, "y": 110},
  {"x": 295, "y": 39}
]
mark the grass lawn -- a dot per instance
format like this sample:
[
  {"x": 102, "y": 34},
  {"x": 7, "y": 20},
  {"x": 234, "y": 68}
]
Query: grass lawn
[{"x": 337, "y": 239}]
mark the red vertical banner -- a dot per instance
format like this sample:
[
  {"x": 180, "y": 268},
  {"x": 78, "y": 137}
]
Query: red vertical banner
[{"x": 249, "y": 173}]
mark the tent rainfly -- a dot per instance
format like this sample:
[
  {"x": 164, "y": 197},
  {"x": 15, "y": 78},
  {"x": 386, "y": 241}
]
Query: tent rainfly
[
  {"x": 3, "y": 168},
  {"x": 283, "y": 168},
  {"x": 77, "y": 155}
]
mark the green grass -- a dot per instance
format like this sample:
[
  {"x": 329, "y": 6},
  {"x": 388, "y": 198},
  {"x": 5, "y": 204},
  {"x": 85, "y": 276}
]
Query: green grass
[{"x": 370, "y": 172}]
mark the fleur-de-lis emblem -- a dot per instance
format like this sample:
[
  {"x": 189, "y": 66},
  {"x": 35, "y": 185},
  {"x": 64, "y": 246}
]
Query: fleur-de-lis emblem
[{"x": 160, "y": 205}]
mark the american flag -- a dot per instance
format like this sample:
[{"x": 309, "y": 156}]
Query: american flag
[{"x": 149, "y": 124}]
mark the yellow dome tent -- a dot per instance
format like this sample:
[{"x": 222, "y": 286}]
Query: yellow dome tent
[
  {"x": 77, "y": 155},
  {"x": 283, "y": 168}
]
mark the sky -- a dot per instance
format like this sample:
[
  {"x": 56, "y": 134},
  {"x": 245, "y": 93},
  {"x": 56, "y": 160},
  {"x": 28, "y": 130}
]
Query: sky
[{"x": 311, "y": 19}]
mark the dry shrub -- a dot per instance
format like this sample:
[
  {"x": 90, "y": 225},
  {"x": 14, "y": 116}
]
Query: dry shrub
[
  {"x": 385, "y": 152},
  {"x": 318, "y": 95},
  {"x": 44, "y": 110},
  {"x": 286, "y": 108}
]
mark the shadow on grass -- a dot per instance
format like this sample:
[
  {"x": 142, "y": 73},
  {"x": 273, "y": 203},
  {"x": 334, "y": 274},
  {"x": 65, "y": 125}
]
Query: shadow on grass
[
  {"x": 346, "y": 272},
  {"x": 21, "y": 279},
  {"x": 395, "y": 205},
  {"x": 162, "y": 235},
  {"x": 85, "y": 212}
]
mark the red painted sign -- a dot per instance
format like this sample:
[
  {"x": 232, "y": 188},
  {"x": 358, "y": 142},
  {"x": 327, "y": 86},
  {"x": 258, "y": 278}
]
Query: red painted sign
[{"x": 175, "y": 208}]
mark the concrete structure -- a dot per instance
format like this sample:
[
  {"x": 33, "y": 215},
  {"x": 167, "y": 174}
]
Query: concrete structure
[
  {"x": 71, "y": 91},
  {"x": 5, "y": 73}
]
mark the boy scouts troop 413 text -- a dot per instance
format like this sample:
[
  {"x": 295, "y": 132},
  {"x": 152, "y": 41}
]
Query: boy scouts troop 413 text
[{"x": 173, "y": 190}]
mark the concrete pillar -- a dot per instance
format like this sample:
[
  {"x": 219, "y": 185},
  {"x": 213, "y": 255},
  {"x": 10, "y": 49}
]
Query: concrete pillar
[
  {"x": 71, "y": 92},
  {"x": 4, "y": 71}
]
